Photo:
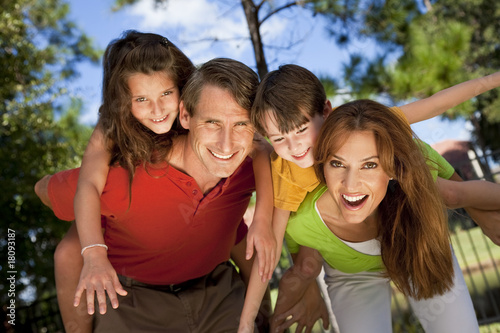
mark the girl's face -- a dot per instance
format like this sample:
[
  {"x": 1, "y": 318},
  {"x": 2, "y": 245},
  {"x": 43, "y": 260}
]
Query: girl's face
[
  {"x": 355, "y": 179},
  {"x": 295, "y": 146},
  {"x": 155, "y": 100}
]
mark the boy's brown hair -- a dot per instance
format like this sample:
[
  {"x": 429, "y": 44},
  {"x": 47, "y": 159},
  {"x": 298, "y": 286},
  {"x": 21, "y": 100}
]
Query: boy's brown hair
[{"x": 291, "y": 95}]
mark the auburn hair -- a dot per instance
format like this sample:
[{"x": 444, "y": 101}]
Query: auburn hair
[{"x": 412, "y": 222}]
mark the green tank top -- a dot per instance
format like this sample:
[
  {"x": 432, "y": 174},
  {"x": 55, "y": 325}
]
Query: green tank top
[{"x": 306, "y": 228}]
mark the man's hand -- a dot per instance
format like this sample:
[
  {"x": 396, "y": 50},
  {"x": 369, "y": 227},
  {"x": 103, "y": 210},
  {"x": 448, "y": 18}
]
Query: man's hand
[{"x": 304, "y": 311}]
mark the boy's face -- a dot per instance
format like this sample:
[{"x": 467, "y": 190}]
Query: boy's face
[{"x": 295, "y": 146}]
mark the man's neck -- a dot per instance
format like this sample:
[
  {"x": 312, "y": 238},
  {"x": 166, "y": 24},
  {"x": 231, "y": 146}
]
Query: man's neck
[{"x": 184, "y": 159}]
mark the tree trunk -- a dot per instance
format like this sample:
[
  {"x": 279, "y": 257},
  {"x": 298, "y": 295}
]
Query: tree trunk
[{"x": 252, "y": 16}]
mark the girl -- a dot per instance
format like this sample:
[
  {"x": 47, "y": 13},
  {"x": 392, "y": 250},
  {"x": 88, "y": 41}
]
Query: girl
[{"x": 143, "y": 77}]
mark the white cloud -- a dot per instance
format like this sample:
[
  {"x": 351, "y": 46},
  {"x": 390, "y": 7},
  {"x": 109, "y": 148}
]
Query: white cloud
[{"x": 195, "y": 24}]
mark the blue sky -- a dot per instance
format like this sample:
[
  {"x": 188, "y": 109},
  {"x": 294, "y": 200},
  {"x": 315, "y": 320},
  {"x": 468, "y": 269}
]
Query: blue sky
[{"x": 188, "y": 22}]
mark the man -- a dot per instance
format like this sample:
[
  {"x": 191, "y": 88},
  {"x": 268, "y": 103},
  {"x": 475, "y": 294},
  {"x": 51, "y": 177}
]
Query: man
[{"x": 170, "y": 244}]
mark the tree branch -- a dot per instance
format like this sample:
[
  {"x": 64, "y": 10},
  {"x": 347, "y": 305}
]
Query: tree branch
[{"x": 286, "y": 6}]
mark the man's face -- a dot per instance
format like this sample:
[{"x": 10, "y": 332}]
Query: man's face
[{"x": 220, "y": 131}]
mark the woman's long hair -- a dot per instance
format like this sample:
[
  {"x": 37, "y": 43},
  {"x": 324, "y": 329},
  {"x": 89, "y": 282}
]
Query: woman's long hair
[
  {"x": 130, "y": 142},
  {"x": 412, "y": 223}
]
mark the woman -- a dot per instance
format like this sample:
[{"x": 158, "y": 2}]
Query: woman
[{"x": 376, "y": 218}]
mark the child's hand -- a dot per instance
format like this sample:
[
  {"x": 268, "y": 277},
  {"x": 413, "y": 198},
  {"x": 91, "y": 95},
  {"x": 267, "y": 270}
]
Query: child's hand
[
  {"x": 262, "y": 237},
  {"x": 100, "y": 277},
  {"x": 488, "y": 220}
]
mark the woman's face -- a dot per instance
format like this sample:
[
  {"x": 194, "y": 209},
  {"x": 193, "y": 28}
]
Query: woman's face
[
  {"x": 355, "y": 179},
  {"x": 155, "y": 100}
]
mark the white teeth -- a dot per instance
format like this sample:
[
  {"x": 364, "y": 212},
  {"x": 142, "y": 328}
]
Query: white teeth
[
  {"x": 300, "y": 155},
  {"x": 353, "y": 199},
  {"x": 224, "y": 157},
  {"x": 161, "y": 119}
]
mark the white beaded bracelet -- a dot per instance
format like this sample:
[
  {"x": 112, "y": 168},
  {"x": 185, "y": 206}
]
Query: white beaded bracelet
[{"x": 93, "y": 245}]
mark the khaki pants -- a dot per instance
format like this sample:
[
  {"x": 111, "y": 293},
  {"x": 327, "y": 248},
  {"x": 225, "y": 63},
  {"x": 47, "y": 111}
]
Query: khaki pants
[{"x": 213, "y": 304}]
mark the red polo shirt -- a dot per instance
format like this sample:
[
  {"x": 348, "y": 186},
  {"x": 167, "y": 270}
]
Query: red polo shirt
[{"x": 171, "y": 232}]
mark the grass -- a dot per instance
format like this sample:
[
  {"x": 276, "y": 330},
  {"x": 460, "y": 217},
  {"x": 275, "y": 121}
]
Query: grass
[
  {"x": 493, "y": 328},
  {"x": 472, "y": 247}
]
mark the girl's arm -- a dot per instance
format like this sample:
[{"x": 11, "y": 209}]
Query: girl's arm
[
  {"x": 260, "y": 234},
  {"x": 449, "y": 98},
  {"x": 256, "y": 287},
  {"x": 97, "y": 273}
]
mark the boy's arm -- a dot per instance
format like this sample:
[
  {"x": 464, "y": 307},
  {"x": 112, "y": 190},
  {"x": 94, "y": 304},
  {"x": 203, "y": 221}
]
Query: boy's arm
[
  {"x": 97, "y": 273},
  {"x": 256, "y": 287},
  {"x": 260, "y": 233},
  {"x": 481, "y": 200},
  {"x": 449, "y": 98},
  {"x": 478, "y": 194},
  {"x": 245, "y": 269}
]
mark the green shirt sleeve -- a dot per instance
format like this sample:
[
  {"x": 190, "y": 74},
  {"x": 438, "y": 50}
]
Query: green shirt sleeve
[{"x": 437, "y": 164}]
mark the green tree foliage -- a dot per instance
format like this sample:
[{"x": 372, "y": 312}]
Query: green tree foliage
[
  {"x": 431, "y": 47},
  {"x": 39, "y": 132}
]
